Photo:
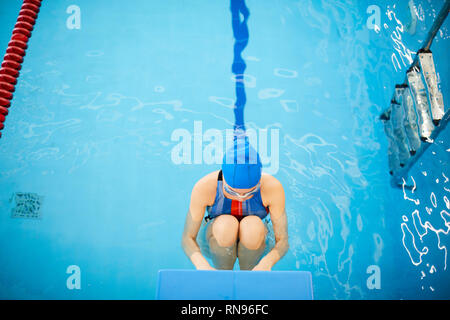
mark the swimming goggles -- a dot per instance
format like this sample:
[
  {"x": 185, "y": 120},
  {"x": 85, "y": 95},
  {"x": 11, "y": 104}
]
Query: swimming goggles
[{"x": 240, "y": 195}]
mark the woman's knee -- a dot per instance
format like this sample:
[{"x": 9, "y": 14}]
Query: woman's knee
[
  {"x": 252, "y": 232},
  {"x": 225, "y": 230}
]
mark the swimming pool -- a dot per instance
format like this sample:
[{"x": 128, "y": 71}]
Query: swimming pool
[{"x": 106, "y": 91}]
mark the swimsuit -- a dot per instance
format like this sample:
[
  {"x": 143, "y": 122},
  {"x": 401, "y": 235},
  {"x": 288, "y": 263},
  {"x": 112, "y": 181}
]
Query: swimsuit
[{"x": 223, "y": 205}]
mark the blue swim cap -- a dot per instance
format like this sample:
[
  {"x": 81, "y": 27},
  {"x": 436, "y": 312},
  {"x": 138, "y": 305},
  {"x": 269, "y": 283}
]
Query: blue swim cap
[{"x": 241, "y": 166}]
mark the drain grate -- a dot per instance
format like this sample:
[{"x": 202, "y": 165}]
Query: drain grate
[{"x": 28, "y": 205}]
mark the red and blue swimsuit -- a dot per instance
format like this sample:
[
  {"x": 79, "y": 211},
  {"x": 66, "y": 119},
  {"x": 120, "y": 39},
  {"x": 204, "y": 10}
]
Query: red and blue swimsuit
[{"x": 223, "y": 205}]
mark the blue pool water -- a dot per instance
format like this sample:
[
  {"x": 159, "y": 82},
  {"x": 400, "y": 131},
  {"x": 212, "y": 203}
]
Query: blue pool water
[{"x": 90, "y": 137}]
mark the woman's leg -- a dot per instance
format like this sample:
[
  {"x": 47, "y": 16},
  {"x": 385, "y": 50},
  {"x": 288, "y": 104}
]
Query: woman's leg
[
  {"x": 252, "y": 241},
  {"x": 222, "y": 238}
]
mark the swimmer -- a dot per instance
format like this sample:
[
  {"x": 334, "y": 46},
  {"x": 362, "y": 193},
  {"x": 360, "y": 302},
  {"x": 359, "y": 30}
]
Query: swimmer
[{"x": 238, "y": 199}]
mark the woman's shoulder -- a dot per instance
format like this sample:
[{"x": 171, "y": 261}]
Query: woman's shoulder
[
  {"x": 271, "y": 189},
  {"x": 269, "y": 182},
  {"x": 206, "y": 187}
]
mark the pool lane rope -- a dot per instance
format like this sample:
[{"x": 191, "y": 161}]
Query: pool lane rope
[
  {"x": 13, "y": 59},
  {"x": 241, "y": 36}
]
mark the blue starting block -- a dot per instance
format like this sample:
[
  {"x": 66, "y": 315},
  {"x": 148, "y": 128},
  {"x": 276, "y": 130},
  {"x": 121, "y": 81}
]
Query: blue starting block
[{"x": 234, "y": 285}]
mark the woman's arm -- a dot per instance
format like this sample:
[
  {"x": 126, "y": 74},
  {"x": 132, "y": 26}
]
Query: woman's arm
[
  {"x": 192, "y": 225},
  {"x": 280, "y": 227}
]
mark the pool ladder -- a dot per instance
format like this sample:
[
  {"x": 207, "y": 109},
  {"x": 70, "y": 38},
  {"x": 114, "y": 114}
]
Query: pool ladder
[
  {"x": 416, "y": 114},
  {"x": 13, "y": 59}
]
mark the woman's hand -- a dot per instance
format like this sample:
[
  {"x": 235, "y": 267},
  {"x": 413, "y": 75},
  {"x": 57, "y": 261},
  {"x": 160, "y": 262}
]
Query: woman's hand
[
  {"x": 262, "y": 266},
  {"x": 205, "y": 266}
]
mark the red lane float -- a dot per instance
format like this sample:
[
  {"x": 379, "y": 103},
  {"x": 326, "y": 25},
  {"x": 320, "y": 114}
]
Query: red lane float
[{"x": 13, "y": 59}]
